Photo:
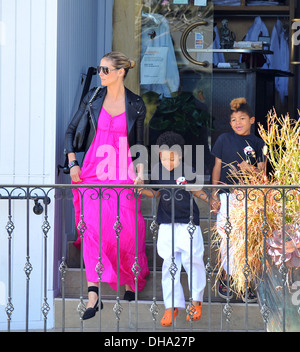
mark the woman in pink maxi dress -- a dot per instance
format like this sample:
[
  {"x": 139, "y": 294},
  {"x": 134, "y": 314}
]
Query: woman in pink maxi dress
[
  {"x": 107, "y": 162},
  {"x": 116, "y": 123}
]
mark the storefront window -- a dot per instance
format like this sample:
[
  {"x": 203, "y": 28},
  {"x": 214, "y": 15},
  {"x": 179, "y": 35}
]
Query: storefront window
[
  {"x": 176, "y": 72},
  {"x": 178, "y": 44}
]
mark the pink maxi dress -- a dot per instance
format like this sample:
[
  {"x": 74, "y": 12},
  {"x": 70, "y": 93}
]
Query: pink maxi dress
[{"x": 108, "y": 161}]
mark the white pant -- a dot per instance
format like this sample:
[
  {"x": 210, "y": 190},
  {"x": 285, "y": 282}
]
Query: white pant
[
  {"x": 182, "y": 257},
  {"x": 221, "y": 222}
]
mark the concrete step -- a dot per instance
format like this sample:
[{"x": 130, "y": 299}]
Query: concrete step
[
  {"x": 72, "y": 287},
  {"x": 73, "y": 256},
  {"x": 214, "y": 321}
]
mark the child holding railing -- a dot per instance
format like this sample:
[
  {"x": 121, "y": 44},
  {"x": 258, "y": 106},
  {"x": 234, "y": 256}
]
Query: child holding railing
[{"x": 170, "y": 171}]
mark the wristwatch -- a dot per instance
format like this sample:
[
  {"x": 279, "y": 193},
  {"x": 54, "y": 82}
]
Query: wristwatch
[{"x": 73, "y": 163}]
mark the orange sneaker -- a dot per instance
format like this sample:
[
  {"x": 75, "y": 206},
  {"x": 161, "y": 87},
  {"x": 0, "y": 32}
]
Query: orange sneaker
[
  {"x": 197, "y": 313},
  {"x": 167, "y": 318}
]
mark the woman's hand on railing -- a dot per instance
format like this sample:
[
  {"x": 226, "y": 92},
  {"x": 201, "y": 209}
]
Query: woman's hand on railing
[{"x": 139, "y": 180}]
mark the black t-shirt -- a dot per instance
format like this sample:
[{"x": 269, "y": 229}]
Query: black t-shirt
[
  {"x": 161, "y": 176},
  {"x": 233, "y": 149}
]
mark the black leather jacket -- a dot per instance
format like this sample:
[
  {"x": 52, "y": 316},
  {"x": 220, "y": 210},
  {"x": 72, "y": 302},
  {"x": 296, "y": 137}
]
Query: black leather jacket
[{"x": 135, "y": 115}]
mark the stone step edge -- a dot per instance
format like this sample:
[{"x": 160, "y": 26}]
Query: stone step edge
[{"x": 217, "y": 316}]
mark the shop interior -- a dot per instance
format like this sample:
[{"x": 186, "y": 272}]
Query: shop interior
[{"x": 195, "y": 56}]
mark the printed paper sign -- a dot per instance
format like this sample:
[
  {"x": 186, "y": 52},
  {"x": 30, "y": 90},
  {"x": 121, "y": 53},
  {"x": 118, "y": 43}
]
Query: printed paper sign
[
  {"x": 181, "y": 2},
  {"x": 198, "y": 41},
  {"x": 200, "y": 2},
  {"x": 154, "y": 65}
]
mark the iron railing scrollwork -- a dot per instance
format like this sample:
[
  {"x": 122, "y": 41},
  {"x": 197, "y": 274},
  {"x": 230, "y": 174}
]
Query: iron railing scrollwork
[{"x": 49, "y": 195}]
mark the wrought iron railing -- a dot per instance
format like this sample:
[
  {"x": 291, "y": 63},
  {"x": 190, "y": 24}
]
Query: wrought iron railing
[{"x": 265, "y": 200}]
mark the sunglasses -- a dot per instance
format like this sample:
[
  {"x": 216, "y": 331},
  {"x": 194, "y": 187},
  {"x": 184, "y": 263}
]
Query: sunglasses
[{"x": 106, "y": 70}]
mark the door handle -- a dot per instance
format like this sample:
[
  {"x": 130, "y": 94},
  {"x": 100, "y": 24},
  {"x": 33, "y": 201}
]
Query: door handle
[{"x": 183, "y": 40}]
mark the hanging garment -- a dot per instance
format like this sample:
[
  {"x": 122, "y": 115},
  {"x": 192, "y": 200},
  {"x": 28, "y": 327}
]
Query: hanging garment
[
  {"x": 274, "y": 59},
  {"x": 227, "y": 2},
  {"x": 217, "y": 57},
  {"x": 280, "y": 58},
  {"x": 262, "y": 3},
  {"x": 255, "y": 31},
  {"x": 156, "y": 35},
  {"x": 282, "y": 83}
]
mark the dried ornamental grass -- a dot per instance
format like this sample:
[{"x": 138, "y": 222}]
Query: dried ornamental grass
[{"x": 283, "y": 148}]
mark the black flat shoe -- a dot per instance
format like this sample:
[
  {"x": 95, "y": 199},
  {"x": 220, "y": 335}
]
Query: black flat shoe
[
  {"x": 129, "y": 296},
  {"x": 91, "y": 312}
]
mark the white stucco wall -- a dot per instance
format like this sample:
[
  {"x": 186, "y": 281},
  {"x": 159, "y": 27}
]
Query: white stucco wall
[{"x": 28, "y": 66}]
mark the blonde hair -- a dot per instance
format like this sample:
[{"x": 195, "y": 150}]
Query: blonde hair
[
  {"x": 120, "y": 60},
  {"x": 240, "y": 104},
  {"x": 236, "y": 103}
]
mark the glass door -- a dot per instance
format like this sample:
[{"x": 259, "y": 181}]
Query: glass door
[{"x": 175, "y": 52}]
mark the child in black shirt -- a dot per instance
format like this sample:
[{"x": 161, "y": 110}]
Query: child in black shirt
[
  {"x": 238, "y": 150},
  {"x": 170, "y": 171}
]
